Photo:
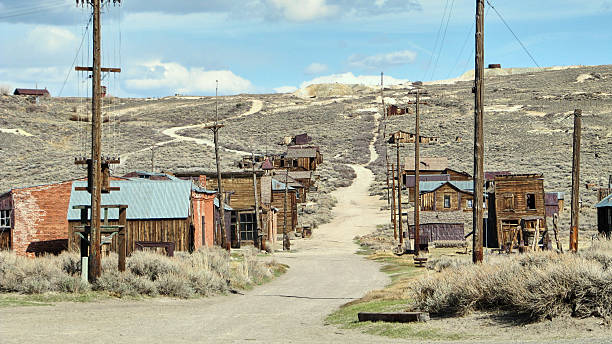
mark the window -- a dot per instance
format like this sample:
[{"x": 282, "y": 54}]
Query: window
[
  {"x": 447, "y": 201},
  {"x": 247, "y": 226},
  {"x": 5, "y": 219},
  {"x": 508, "y": 201},
  {"x": 469, "y": 204},
  {"x": 531, "y": 201}
]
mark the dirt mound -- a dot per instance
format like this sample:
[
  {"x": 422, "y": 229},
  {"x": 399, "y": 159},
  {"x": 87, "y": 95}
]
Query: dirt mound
[
  {"x": 469, "y": 75},
  {"x": 330, "y": 90}
]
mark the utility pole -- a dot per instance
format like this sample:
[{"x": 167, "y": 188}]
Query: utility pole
[
  {"x": 388, "y": 185},
  {"x": 152, "y": 158},
  {"x": 576, "y": 181},
  {"x": 393, "y": 214},
  {"x": 478, "y": 211},
  {"x": 256, "y": 201},
  {"x": 286, "y": 242},
  {"x": 417, "y": 173},
  {"x": 382, "y": 98},
  {"x": 399, "y": 193},
  {"x": 215, "y": 129}
]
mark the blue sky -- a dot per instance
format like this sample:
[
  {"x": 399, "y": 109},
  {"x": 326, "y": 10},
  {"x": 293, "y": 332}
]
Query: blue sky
[{"x": 264, "y": 46}]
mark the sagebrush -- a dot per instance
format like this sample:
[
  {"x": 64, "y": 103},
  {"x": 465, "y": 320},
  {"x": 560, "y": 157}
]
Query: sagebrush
[
  {"x": 208, "y": 271},
  {"x": 532, "y": 286}
]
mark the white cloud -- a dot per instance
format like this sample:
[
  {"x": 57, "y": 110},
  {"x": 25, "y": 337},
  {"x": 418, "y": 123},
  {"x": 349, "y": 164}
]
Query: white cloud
[
  {"x": 177, "y": 78},
  {"x": 50, "y": 39},
  {"x": 350, "y": 79},
  {"x": 304, "y": 10},
  {"x": 285, "y": 89},
  {"x": 315, "y": 68},
  {"x": 396, "y": 58}
]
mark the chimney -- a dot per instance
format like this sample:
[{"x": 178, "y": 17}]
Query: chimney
[{"x": 202, "y": 180}]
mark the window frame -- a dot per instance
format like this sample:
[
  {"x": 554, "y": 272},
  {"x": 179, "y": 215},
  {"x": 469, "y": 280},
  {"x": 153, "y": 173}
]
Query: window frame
[
  {"x": 533, "y": 197},
  {"x": 449, "y": 198},
  {"x": 247, "y": 226},
  {"x": 5, "y": 218}
]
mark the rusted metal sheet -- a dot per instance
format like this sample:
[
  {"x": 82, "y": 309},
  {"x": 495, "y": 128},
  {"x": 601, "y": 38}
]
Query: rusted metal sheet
[{"x": 430, "y": 232}]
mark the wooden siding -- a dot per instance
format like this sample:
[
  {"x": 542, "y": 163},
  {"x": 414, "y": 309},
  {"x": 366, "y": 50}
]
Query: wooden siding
[
  {"x": 167, "y": 230},
  {"x": 241, "y": 187},
  {"x": 278, "y": 201},
  {"x": 434, "y": 201},
  {"x": 5, "y": 240}
]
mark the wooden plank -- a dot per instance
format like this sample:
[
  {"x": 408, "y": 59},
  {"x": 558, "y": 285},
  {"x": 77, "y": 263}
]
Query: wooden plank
[
  {"x": 398, "y": 317},
  {"x": 103, "y": 69}
]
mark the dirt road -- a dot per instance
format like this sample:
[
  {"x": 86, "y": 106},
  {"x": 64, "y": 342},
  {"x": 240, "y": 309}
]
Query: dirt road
[{"x": 324, "y": 274}]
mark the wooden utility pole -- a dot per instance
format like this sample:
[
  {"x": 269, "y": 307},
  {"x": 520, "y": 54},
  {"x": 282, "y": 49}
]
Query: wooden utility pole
[
  {"x": 286, "y": 242},
  {"x": 388, "y": 183},
  {"x": 98, "y": 172},
  {"x": 152, "y": 158},
  {"x": 576, "y": 181},
  {"x": 256, "y": 201},
  {"x": 384, "y": 114},
  {"x": 393, "y": 214},
  {"x": 399, "y": 193},
  {"x": 215, "y": 129},
  {"x": 417, "y": 173},
  {"x": 478, "y": 211}
]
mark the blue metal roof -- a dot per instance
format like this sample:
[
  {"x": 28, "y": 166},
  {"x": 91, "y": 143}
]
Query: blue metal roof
[
  {"x": 145, "y": 199},
  {"x": 278, "y": 186},
  {"x": 227, "y": 207},
  {"x": 463, "y": 185},
  {"x": 606, "y": 202}
]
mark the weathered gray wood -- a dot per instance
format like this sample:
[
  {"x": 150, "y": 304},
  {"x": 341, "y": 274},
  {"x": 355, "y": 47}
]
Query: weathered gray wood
[
  {"x": 576, "y": 181},
  {"x": 400, "y": 317},
  {"x": 478, "y": 211}
]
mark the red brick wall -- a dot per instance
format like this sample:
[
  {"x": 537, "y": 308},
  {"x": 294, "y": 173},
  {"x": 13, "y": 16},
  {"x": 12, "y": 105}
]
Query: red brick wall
[
  {"x": 203, "y": 205},
  {"x": 40, "y": 219}
]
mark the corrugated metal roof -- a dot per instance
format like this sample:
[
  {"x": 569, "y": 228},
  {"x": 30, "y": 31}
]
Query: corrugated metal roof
[
  {"x": 606, "y": 202},
  {"x": 302, "y": 152},
  {"x": 427, "y": 164},
  {"x": 463, "y": 185},
  {"x": 227, "y": 207},
  {"x": 426, "y": 178},
  {"x": 278, "y": 186},
  {"x": 145, "y": 199}
]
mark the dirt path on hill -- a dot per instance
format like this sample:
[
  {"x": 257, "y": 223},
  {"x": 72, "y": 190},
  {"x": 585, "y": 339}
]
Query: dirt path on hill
[
  {"x": 256, "y": 106},
  {"x": 324, "y": 273}
]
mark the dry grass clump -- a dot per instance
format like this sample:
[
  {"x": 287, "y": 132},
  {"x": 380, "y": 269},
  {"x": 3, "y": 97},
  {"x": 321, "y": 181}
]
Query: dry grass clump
[
  {"x": 206, "y": 272},
  {"x": 533, "y": 286},
  {"x": 40, "y": 275}
]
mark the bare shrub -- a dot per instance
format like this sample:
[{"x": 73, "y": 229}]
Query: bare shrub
[
  {"x": 535, "y": 286},
  {"x": 151, "y": 265},
  {"x": 445, "y": 262},
  {"x": 173, "y": 284},
  {"x": 5, "y": 90}
]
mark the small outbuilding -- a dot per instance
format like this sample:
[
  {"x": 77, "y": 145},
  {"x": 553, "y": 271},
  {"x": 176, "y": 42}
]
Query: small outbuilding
[
  {"x": 447, "y": 195},
  {"x": 32, "y": 92},
  {"x": 604, "y": 216}
]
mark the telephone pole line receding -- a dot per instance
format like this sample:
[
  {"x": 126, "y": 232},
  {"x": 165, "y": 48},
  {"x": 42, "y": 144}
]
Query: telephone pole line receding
[
  {"x": 478, "y": 211},
  {"x": 215, "y": 129}
]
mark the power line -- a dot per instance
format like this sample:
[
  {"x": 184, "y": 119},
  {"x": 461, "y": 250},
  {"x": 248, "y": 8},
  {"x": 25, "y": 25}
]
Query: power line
[
  {"x": 76, "y": 56},
  {"x": 461, "y": 51},
  {"x": 515, "y": 36},
  {"x": 32, "y": 10},
  {"x": 450, "y": 12},
  {"x": 433, "y": 52}
]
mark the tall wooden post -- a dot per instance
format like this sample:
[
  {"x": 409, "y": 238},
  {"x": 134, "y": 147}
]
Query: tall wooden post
[
  {"x": 224, "y": 242},
  {"x": 286, "y": 242},
  {"x": 121, "y": 241},
  {"x": 384, "y": 114},
  {"x": 388, "y": 184},
  {"x": 257, "y": 228},
  {"x": 95, "y": 265},
  {"x": 417, "y": 177},
  {"x": 478, "y": 211},
  {"x": 576, "y": 181},
  {"x": 393, "y": 214},
  {"x": 399, "y": 193}
]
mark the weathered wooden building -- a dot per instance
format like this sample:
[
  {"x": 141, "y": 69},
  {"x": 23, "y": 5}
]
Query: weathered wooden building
[
  {"x": 604, "y": 216},
  {"x": 302, "y": 158},
  {"x": 447, "y": 195},
  {"x": 407, "y": 137},
  {"x": 438, "y": 233},
  {"x": 174, "y": 211},
  {"x": 517, "y": 213},
  {"x": 289, "y": 213},
  {"x": 409, "y": 181},
  {"x": 32, "y": 92}
]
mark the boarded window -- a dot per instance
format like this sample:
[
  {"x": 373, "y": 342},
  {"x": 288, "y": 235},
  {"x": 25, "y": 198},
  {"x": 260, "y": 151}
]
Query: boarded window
[
  {"x": 531, "y": 201},
  {"x": 247, "y": 226},
  {"x": 5, "y": 219},
  {"x": 447, "y": 201},
  {"x": 508, "y": 201}
]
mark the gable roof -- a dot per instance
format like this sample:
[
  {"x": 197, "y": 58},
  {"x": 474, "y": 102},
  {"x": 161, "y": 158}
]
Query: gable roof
[
  {"x": 302, "y": 152},
  {"x": 278, "y": 186},
  {"x": 427, "y": 163},
  {"x": 466, "y": 186},
  {"x": 145, "y": 199},
  {"x": 31, "y": 92},
  {"x": 606, "y": 202}
]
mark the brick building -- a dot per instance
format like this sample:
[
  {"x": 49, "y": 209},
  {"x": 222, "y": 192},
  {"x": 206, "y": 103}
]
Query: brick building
[{"x": 34, "y": 219}]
